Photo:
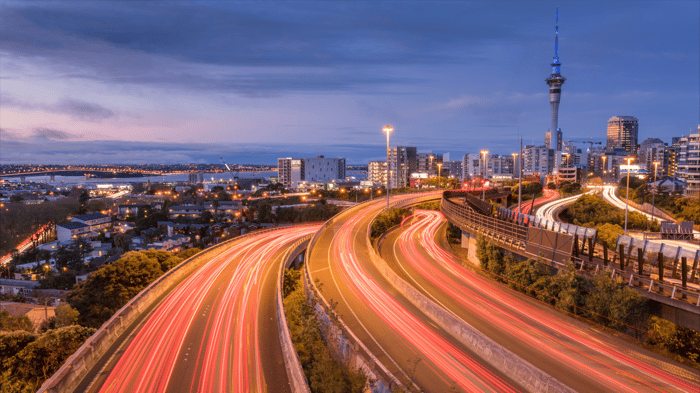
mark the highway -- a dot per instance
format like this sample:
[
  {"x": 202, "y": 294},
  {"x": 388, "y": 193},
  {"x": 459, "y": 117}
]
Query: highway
[
  {"x": 547, "y": 210},
  {"x": 214, "y": 332},
  {"x": 402, "y": 338},
  {"x": 609, "y": 195},
  {"x": 582, "y": 357},
  {"x": 549, "y": 195}
]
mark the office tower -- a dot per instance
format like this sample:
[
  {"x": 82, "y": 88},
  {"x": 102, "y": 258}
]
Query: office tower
[
  {"x": 402, "y": 162},
  {"x": 622, "y": 133},
  {"x": 653, "y": 150},
  {"x": 555, "y": 80}
]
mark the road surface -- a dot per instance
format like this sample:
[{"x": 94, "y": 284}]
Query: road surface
[
  {"x": 549, "y": 195},
  {"x": 214, "y": 332},
  {"x": 574, "y": 353},
  {"x": 403, "y": 339}
]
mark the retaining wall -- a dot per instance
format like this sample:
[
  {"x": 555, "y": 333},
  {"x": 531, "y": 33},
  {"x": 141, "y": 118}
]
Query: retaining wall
[
  {"x": 297, "y": 379},
  {"x": 511, "y": 365}
]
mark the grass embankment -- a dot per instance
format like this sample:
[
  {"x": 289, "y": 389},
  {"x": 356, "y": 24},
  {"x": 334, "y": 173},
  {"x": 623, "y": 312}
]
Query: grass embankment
[
  {"x": 593, "y": 212},
  {"x": 324, "y": 369}
]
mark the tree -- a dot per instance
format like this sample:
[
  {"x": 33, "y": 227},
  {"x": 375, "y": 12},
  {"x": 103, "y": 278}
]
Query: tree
[
  {"x": 572, "y": 289},
  {"x": 108, "y": 289},
  {"x": 39, "y": 359},
  {"x": 8, "y": 323}
]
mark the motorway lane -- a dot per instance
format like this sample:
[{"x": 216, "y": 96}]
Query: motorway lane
[
  {"x": 406, "y": 341},
  {"x": 212, "y": 332},
  {"x": 549, "y": 195},
  {"x": 572, "y": 352},
  {"x": 609, "y": 196}
]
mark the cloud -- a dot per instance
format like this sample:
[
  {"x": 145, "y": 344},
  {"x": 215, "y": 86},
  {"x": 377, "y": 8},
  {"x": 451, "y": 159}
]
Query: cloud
[
  {"x": 76, "y": 109},
  {"x": 242, "y": 48},
  {"x": 47, "y": 133}
]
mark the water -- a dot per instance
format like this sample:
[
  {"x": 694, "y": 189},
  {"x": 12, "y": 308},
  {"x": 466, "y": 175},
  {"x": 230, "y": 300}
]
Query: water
[{"x": 171, "y": 178}]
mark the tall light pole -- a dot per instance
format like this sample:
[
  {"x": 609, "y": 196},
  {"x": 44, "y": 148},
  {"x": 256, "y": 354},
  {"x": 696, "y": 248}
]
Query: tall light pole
[
  {"x": 653, "y": 195},
  {"x": 604, "y": 170},
  {"x": 627, "y": 199},
  {"x": 439, "y": 165},
  {"x": 520, "y": 170},
  {"x": 388, "y": 129},
  {"x": 483, "y": 191}
]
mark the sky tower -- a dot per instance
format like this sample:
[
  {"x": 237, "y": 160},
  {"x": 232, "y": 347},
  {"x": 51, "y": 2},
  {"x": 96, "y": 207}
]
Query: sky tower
[{"x": 555, "y": 81}]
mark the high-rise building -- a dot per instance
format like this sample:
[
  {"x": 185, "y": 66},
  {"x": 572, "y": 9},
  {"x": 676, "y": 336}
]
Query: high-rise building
[
  {"x": 454, "y": 169},
  {"x": 538, "y": 160},
  {"x": 402, "y": 162},
  {"x": 487, "y": 166},
  {"x": 653, "y": 150},
  {"x": 376, "y": 173},
  {"x": 689, "y": 163},
  {"x": 622, "y": 133},
  {"x": 427, "y": 163},
  {"x": 292, "y": 171},
  {"x": 555, "y": 80}
]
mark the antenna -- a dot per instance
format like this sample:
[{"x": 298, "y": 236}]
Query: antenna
[{"x": 556, "y": 35}]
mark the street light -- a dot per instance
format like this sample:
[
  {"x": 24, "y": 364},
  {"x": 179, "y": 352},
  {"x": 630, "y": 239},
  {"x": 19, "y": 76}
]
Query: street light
[
  {"x": 627, "y": 199},
  {"x": 483, "y": 190},
  {"x": 439, "y": 165},
  {"x": 388, "y": 129},
  {"x": 604, "y": 170},
  {"x": 653, "y": 195}
]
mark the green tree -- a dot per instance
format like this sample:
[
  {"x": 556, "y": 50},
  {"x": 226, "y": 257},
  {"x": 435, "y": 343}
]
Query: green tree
[
  {"x": 38, "y": 360},
  {"x": 8, "y": 323},
  {"x": 573, "y": 289},
  {"x": 110, "y": 288}
]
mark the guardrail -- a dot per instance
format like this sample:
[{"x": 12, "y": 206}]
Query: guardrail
[
  {"x": 292, "y": 363},
  {"x": 510, "y": 235},
  {"x": 510, "y": 364},
  {"x": 504, "y": 232},
  {"x": 72, "y": 372}
]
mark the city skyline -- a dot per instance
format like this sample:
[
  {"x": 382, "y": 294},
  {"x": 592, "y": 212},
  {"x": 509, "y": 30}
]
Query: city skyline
[{"x": 119, "y": 83}]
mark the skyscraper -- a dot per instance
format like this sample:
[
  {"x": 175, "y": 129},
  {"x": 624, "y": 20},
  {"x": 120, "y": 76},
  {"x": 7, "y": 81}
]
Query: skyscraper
[
  {"x": 555, "y": 81},
  {"x": 622, "y": 133}
]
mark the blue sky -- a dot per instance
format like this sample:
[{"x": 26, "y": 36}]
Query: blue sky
[{"x": 181, "y": 82}]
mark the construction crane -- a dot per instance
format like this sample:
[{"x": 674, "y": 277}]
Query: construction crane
[
  {"x": 233, "y": 174},
  {"x": 586, "y": 141}
]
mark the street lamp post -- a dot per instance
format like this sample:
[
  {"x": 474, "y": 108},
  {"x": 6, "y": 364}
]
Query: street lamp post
[
  {"x": 483, "y": 191},
  {"x": 627, "y": 199},
  {"x": 604, "y": 170},
  {"x": 439, "y": 165},
  {"x": 653, "y": 195},
  {"x": 388, "y": 129}
]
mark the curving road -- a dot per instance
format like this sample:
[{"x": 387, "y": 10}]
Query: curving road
[
  {"x": 212, "y": 332},
  {"x": 549, "y": 195},
  {"x": 547, "y": 210},
  {"x": 609, "y": 195},
  {"x": 397, "y": 333},
  {"x": 579, "y": 356}
]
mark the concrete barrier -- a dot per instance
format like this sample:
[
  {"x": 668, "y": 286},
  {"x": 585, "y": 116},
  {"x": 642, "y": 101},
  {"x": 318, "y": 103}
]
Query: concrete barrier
[
  {"x": 511, "y": 365},
  {"x": 77, "y": 366},
  {"x": 292, "y": 363},
  {"x": 344, "y": 340}
]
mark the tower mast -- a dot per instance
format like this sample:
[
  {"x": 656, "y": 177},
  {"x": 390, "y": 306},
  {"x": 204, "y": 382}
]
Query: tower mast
[{"x": 555, "y": 80}]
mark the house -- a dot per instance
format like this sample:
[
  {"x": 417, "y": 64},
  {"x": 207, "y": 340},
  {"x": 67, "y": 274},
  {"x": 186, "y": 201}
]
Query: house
[
  {"x": 96, "y": 221},
  {"x": 18, "y": 287},
  {"x": 37, "y": 314},
  {"x": 187, "y": 211},
  {"x": 129, "y": 210},
  {"x": 71, "y": 230}
]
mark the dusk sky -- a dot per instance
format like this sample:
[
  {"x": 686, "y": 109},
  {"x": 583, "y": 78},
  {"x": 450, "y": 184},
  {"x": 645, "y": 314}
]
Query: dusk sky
[{"x": 185, "y": 82}]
